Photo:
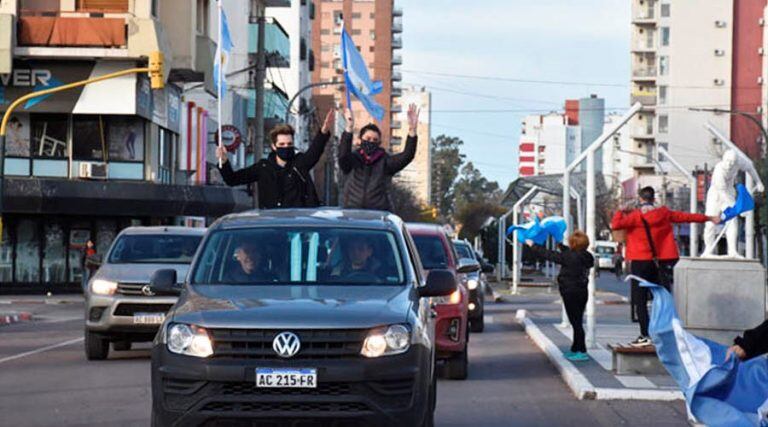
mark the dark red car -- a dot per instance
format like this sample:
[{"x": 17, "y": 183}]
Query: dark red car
[{"x": 451, "y": 329}]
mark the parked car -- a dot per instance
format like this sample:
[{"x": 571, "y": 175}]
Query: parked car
[
  {"x": 452, "y": 329},
  {"x": 312, "y": 314},
  {"x": 120, "y": 307},
  {"x": 604, "y": 252},
  {"x": 476, "y": 284}
]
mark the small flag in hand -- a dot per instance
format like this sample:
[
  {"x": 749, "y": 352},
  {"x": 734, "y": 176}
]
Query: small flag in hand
[{"x": 744, "y": 203}]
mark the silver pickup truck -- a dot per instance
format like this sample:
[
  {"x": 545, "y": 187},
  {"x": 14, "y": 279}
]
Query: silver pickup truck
[{"x": 120, "y": 306}]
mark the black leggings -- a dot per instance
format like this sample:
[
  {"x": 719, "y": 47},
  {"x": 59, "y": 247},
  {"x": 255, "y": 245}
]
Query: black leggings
[
  {"x": 640, "y": 296},
  {"x": 575, "y": 302}
]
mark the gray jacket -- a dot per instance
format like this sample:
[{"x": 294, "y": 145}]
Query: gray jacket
[{"x": 366, "y": 186}]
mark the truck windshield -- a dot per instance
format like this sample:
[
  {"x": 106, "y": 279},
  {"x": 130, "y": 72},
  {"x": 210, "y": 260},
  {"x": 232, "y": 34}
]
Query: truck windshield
[
  {"x": 154, "y": 249},
  {"x": 333, "y": 256},
  {"x": 463, "y": 250},
  {"x": 431, "y": 251}
]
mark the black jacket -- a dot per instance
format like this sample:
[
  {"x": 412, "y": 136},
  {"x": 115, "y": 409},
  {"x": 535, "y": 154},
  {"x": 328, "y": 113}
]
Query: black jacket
[
  {"x": 574, "y": 268},
  {"x": 367, "y": 186},
  {"x": 282, "y": 187},
  {"x": 755, "y": 341}
]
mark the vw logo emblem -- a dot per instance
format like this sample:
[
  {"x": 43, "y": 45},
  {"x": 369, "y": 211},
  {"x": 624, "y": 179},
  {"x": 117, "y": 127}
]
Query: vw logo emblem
[
  {"x": 286, "y": 344},
  {"x": 147, "y": 290}
]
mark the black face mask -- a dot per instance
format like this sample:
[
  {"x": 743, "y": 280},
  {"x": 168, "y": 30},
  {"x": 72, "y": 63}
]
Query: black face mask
[
  {"x": 286, "y": 153},
  {"x": 369, "y": 147}
]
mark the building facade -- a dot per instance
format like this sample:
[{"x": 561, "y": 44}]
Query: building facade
[
  {"x": 417, "y": 176},
  {"x": 83, "y": 164}
]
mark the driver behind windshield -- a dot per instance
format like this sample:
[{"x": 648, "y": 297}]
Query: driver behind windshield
[
  {"x": 251, "y": 265},
  {"x": 358, "y": 261}
]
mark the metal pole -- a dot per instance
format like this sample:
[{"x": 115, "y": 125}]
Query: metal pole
[
  {"x": 515, "y": 244},
  {"x": 501, "y": 264},
  {"x": 261, "y": 68},
  {"x": 305, "y": 88},
  {"x": 694, "y": 237},
  {"x": 590, "y": 336},
  {"x": 2, "y": 183},
  {"x": 749, "y": 224},
  {"x": 567, "y": 201},
  {"x": 219, "y": 78}
]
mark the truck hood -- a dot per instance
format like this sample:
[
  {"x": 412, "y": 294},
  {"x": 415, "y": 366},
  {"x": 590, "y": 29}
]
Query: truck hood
[
  {"x": 293, "y": 306},
  {"x": 137, "y": 273}
]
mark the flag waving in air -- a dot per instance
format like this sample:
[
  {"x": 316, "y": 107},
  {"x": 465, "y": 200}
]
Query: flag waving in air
[
  {"x": 357, "y": 80},
  {"x": 539, "y": 230},
  {"x": 719, "y": 390},
  {"x": 223, "y": 51},
  {"x": 744, "y": 203}
]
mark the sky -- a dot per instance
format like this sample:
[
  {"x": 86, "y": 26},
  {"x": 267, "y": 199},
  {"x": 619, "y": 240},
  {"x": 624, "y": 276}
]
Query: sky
[{"x": 583, "y": 45}]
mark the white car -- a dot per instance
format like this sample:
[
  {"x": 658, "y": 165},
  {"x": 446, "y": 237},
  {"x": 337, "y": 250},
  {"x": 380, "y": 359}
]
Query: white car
[{"x": 604, "y": 252}]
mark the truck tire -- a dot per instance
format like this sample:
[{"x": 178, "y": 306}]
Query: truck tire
[
  {"x": 457, "y": 367},
  {"x": 477, "y": 325},
  {"x": 96, "y": 347}
]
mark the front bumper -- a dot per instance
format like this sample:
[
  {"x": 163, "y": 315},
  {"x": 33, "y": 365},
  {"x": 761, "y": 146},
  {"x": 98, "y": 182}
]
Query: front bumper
[
  {"x": 477, "y": 301},
  {"x": 113, "y": 314},
  {"x": 451, "y": 328},
  {"x": 391, "y": 390}
]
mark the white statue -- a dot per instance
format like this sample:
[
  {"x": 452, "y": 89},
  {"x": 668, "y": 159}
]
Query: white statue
[{"x": 722, "y": 194}]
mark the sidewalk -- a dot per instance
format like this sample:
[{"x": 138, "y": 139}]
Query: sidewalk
[
  {"x": 539, "y": 313},
  {"x": 24, "y": 308}
]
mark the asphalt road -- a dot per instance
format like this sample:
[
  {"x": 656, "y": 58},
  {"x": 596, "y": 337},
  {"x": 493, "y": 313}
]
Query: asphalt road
[{"x": 46, "y": 381}]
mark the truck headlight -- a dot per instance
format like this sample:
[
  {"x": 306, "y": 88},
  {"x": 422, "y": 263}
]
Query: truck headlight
[
  {"x": 395, "y": 339},
  {"x": 103, "y": 287},
  {"x": 188, "y": 340},
  {"x": 472, "y": 284}
]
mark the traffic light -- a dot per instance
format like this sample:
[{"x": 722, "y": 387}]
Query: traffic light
[{"x": 156, "y": 70}]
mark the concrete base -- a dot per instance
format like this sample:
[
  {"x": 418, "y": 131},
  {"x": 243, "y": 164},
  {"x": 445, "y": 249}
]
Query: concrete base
[
  {"x": 719, "y": 298},
  {"x": 637, "y": 364}
]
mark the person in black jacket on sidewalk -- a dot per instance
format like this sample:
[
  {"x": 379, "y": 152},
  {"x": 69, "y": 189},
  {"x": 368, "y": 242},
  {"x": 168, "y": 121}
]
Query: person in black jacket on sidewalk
[
  {"x": 754, "y": 343},
  {"x": 575, "y": 263},
  {"x": 284, "y": 179},
  {"x": 368, "y": 170}
]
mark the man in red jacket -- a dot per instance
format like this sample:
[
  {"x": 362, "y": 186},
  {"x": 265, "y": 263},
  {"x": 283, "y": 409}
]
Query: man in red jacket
[{"x": 652, "y": 259}]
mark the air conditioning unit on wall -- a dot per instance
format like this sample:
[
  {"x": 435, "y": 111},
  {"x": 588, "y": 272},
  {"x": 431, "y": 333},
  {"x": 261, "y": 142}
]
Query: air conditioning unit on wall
[{"x": 93, "y": 170}]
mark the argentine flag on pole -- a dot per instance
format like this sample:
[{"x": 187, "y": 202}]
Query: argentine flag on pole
[
  {"x": 744, "y": 203},
  {"x": 539, "y": 230},
  {"x": 357, "y": 79},
  {"x": 223, "y": 50},
  {"x": 718, "y": 392}
]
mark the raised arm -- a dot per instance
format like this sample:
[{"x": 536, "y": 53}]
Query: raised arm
[
  {"x": 678, "y": 217},
  {"x": 317, "y": 147},
  {"x": 549, "y": 255},
  {"x": 232, "y": 177},
  {"x": 345, "y": 156},
  {"x": 623, "y": 220},
  {"x": 399, "y": 161}
]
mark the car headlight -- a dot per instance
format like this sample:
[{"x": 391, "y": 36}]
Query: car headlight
[
  {"x": 188, "y": 340},
  {"x": 455, "y": 297},
  {"x": 103, "y": 287},
  {"x": 395, "y": 339},
  {"x": 472, "y": 284}
]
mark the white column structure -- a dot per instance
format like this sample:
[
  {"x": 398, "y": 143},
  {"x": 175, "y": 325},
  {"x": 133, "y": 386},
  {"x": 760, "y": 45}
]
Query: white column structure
[
  {"x": 694, "y": 237},
  {"x": 589, "y": 156},
  {"x": 516, "y": 252}
]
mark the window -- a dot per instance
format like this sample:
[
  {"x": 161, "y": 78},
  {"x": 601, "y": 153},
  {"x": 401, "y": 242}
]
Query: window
[
  {"x": 49, "y": 135},
  {"x": 372, "y": 35},
  {"x": 431, "y": 251},
  {"x": 356, "y": 15},
  {"x": 300, "y": 255},
  {"x": 464, "y": 251},
  {"x": 664, "y": 65},
  {"x": 120, "y": 6},
  {"x": 663, "y": 123},
  {"x": 665, "y": 10},
  {"x": 126, "y": 138},
  {"x": 325, "y": 64},
  {"x": 54, "y": 254},
  {"x": 39, "y": 5},
  {"x": 372, "y": 15},
  {"x": 17, "y": 136},
  {"x": 154, "y": 249},
  {"x": 665, "y": 36},
  {"x": 662, "y": 95},
  {"x": 325, "y": 32},
  {"x": 326, "y": 48},
  {"x": 338, "y": 17},
  {"x": 165, "y": 159},
  {"x": 356, "y": 32},
  {"x": 89, "y": 138},
  {"x": 6, "y": 257},
  {"x": 372, "y": 49},
  {"x": 27, "y": 252},
  {"x": 202, "y": 16}
]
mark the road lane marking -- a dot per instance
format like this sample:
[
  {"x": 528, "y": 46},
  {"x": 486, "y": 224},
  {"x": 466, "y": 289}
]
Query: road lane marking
[{"x": 41, "y": 350}]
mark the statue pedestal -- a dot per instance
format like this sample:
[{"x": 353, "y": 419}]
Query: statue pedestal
[{"x": 719, "y": 298}]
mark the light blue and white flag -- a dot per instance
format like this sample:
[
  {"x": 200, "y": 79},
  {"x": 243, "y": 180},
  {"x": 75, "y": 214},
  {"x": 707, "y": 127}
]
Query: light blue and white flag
[
  {"x": 718, "y": 392},
  {"x": 539, "y": 230},
  {"x": 223, "y": 51},
  {"x": 744, "y": 203},
  {"x": 357, "y": 79}
]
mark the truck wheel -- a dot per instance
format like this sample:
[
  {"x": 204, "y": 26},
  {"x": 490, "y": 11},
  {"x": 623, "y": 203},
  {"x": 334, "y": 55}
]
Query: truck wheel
[
  {"x": 96, "y": 347},
  {"x": 121, "y": 345},
  {"x": 457, "y": 367}
]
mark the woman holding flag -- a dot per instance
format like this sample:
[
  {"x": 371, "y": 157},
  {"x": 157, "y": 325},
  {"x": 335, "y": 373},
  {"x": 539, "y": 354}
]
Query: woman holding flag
[{"x": 369, "y": 169}]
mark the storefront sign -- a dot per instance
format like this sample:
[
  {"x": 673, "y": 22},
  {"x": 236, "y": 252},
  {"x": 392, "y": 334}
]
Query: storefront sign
[{"x": 231, "y": 137}]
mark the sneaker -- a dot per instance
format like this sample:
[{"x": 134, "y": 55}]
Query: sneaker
[
  {"x": 641, "y": 341},
  {"x": 577, "y": 357}
]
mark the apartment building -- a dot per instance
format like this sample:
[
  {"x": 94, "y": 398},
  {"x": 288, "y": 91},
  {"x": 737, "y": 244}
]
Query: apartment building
[
  {"x": 417, "y": 176},
  {"x": 85, "y": 163}
]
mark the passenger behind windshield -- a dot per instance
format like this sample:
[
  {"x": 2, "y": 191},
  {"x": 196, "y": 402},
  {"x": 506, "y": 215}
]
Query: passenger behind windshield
[
  {"x": 251, "y": 266},
  {"x": 359, "y": 262}
]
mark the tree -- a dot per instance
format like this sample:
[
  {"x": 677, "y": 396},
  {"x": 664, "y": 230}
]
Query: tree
[
  {"x": 472, "y": 187},
  {"x": 472, "y": 217},
  {"x": 406, "y": 205},
  {"x": 446, "y": 161}
]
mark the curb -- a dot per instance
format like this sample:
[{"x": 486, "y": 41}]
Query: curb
[
  {"x": 577, "y": 382},
  {"x": 7, "y": 319}
]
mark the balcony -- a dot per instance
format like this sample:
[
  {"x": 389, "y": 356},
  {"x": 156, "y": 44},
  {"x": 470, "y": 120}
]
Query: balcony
[
  {"x": 397, "y": 124},
  {"x": 644, "y": 73},
  {"x": 397, "y": 11},
  {"x": 397, "y": 59},
  {"x": 276, "y": 43},
  {"x": 397, "y": 42},
  {"x": 397, "y": 76},
  {"x": 397, "y": 25},
  {"x": 644, "y": 44},
  {"x": 396, "y": 92},
  {"x": 644, "y": 15},
  {"x": 643, "y": 132},
  {"x": 646, "y": 98},
  {"x": 396, "y": 108},
  {"x": 277, "y": 3}
]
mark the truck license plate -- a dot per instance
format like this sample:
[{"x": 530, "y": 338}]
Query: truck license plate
[
  {"x": 148, "y": 318},
  {"x": 286, "y": 378}
]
